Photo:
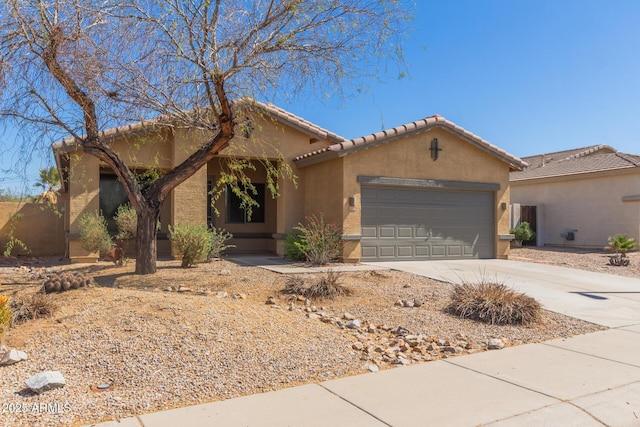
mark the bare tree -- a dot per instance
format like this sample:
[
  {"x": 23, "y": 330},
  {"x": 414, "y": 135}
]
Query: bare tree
[{"x": 78, "y": 67}]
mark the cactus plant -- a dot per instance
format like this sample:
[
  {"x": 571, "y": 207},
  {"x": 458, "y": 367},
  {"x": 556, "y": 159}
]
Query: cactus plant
[{"x": 64, "y": 281}]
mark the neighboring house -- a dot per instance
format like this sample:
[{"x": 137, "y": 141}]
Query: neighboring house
[
  {"x": 579, "y": 197},
  {"x": 425, "y": 190}
]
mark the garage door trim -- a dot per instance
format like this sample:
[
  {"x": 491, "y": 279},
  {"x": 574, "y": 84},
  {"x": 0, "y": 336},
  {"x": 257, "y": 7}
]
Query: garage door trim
[{"x": 427, "y": 183}]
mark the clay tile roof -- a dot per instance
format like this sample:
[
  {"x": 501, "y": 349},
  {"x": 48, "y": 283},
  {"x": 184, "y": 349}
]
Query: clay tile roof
[
  {"x": 385, "y": 136},
  {"x": 596, "y": 158},
  {"x": 294, "y": 121}
]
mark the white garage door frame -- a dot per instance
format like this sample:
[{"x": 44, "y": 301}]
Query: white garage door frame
[{"x": 426, "y": 219}]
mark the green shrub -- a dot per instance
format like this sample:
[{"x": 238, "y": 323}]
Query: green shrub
[
  {"x": 292, "y": 244},
  {"x": 320, "y": 243},
  {"x": 523, "y": 232},
  {"x": 621, "y": 244},
  {"x": 127, "y": 221},
  {"x": 5, "y": 314},
  {"x": 93, "y": 233},
  {"x": 191, "y": 242},
  {"x": 493, "y": 303},
  {"x": 219, "y": 238}
]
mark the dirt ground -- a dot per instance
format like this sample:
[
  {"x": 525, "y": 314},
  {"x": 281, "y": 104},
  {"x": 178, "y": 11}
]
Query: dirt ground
[{"x": 217, "y": 338}]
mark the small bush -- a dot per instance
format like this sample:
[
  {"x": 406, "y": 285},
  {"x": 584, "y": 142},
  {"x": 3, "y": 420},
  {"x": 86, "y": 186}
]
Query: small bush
[
  {"x": 191, "y": 242},
  {"x": 219, "y": 238},
  {"x": 5, "y": 314},
  {"x": 32, "y": 306},
  {"x": 328, "y": 286},
  {"x": 523, "y": 232},
  {"x": 493, "y": 303},
  {"x": 93, "y": 233},
  {"x": 320, "y": 243},
  {"x": 292, "y": 246},
  {"x": 127, "y": 221}
]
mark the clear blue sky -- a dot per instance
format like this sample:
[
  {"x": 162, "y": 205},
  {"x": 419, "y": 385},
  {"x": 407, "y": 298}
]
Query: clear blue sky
[{"x": 528, "y": 76}]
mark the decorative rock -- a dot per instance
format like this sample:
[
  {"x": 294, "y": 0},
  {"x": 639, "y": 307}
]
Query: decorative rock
[
  {"x": 225, "y": 272},
  {"x": 301, "y": 298},
  {"x": 353, "y": 324},
  {"x": 373, "y": 368},
  {"x": 348, "y": 316},
  {"x": 409, "y": 303},
  {"x": 399, "y": 303},
  {"x": 239, "y": 296},
  {"x": 13, "y": 356},
  {"x": 184, "y": 289},
  {"x": 417, "y": 303},
  {"x": 271, "y": 301},
  {"x": 168, "y": 289},
  {"x": 292, "y": 306},
  {"x": 358, "y": 346},
  {"x": 442, "y": 342},
  {"x": 495, "y": 344},
  {"x": 221, "y": 294},
  {"x": 313, "y": 316},
  {"x": 402, "y": 331},
  {"x": 46, "y": 380}
]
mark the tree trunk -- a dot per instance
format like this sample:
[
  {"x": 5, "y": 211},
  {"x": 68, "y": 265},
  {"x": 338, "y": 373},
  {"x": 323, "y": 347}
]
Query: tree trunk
[{"x": 146, "y": 240}]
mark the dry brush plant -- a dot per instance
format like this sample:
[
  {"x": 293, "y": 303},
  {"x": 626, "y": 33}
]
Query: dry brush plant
[
  {"x": 32, "y": 306},
  {"x": 5, "y": 313},
  {"x": 493, "y": 303},
  {"x": 327, "y": 286}
]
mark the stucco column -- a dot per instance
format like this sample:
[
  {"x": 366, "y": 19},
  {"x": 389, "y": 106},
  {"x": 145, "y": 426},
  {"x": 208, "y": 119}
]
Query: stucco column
[{"x": 84, "y": 196}]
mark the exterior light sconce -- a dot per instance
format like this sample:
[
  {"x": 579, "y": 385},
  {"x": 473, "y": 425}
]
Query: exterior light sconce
[
  {"x": 435, "y": 149},
  {"x": 503, "y": 206},
  {"x": 352, "y": 204}
]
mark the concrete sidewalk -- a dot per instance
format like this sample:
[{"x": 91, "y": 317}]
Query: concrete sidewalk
[{"x": 586, "y": 380}]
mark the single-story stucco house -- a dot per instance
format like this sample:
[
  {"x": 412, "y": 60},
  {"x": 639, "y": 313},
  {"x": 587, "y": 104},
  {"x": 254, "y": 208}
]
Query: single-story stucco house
[
  {"x": 424, "y": 190},
  {"x": 579, "y": 197}
]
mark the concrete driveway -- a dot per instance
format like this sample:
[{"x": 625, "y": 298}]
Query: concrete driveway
[{"x": 600, "y": 298}]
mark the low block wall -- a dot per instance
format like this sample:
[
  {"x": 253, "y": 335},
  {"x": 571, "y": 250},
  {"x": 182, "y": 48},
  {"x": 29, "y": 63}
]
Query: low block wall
[{"x": 35, "y": 225}]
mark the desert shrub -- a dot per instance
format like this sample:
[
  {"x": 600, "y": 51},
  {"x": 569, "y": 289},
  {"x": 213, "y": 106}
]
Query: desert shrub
[
  {"x": 523, "y": 232},
  {"x": 621, "y": 244},
  {"x": 493, "y": 303},
  {"x": 219, "y": 239},
  {"x": 127, "y": 222},
  {"x": 191, "y": 242},
  {"x": 93, "y": 233},
  {"x": 327, "y": 286},
  {"x": 64, "y": 281},
  {"x": 5, "y": 313},
  {"x": 292, "y": 246},
  {"x": 321, "y": 243},
  {"x": 32, "y": 306}
]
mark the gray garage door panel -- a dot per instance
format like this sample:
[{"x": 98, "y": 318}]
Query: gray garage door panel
[{"x": 409, "y": 223}]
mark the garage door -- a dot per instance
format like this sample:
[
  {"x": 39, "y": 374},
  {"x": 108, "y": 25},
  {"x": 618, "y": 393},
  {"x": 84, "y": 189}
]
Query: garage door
[{"x": 409, "y": 223}]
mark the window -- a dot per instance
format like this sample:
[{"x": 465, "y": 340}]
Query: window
[
  {"x": 237, "y": 214},
  {"x": 112, "y": 195}
]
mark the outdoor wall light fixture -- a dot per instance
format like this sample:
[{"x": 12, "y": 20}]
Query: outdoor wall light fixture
[
  {"x": 503, "y": 206},
  {"x": 435, "y": 149},
  {"x": 352, "y": 203}
]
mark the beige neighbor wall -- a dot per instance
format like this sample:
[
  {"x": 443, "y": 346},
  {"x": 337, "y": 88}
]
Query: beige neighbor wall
[
  {"x": 410, "y": 158},
  {"x": 37, "y": 226},
  {"x": 590, "y": 203}
]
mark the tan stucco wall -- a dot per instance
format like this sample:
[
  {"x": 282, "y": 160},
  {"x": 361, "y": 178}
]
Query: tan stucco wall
[
  {"x": 410, "y": 158},
  {"x": 589, "y": 203},
  {"x": 36, "y": 225}
]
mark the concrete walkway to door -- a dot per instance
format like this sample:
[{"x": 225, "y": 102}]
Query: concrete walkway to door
[{"x": 600, "y": 298}]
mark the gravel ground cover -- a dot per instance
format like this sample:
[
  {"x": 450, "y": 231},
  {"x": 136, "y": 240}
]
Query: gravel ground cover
[
  {"x": 189, "y": 336},
  {"x": 595, "y": 260}
]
